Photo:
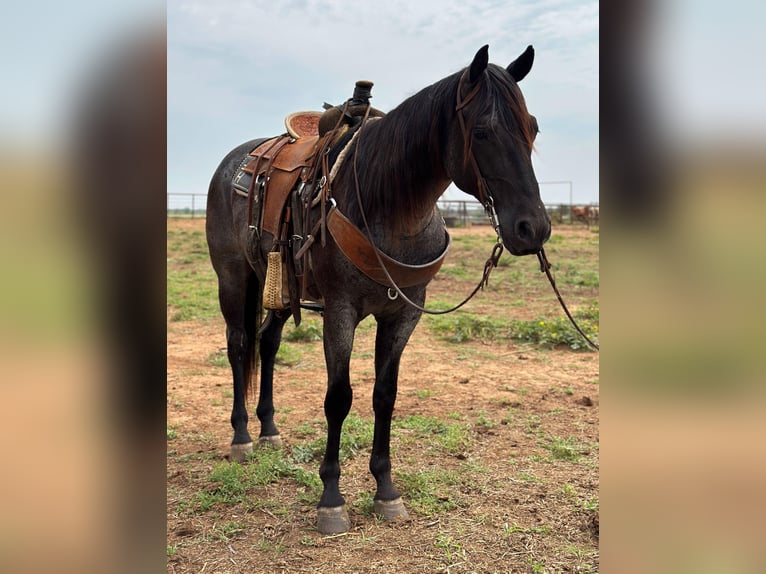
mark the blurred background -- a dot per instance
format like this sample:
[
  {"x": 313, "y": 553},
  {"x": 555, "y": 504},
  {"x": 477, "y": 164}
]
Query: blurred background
[
  {"x": 83, "y": 179},
  {"x": 82, "y": 173},
  {"x": 683, "y": 144}
]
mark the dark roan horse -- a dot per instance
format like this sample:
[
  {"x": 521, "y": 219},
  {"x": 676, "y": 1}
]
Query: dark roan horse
[{"x": 471, "y": 128}]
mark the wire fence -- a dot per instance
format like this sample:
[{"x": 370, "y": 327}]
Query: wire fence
[{"x": 456, "y": 213}]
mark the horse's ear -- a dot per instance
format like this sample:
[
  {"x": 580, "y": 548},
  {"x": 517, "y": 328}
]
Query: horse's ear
[
  {"x": 520, "y": 67},
  {"x": 479, "y": 64}
]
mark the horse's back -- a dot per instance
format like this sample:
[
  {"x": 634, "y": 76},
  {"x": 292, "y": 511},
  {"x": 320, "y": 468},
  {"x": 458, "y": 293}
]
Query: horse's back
[
  {"x": 221, "y": 216},
  {"x": 220, "y": 183}
]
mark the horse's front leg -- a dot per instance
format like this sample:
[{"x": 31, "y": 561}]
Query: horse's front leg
[
  {"x": 339, "y": 329},
  {"x": 392, "y": 336}
]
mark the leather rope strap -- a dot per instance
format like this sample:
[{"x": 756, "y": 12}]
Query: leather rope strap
[{"x": 545, "y": 267}]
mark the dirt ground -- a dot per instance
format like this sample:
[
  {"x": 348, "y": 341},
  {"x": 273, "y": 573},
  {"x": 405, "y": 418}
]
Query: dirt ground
[{"x": 517, "y": 507}]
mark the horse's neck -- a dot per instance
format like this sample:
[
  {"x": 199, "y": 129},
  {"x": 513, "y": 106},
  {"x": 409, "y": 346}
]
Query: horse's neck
[{"x": 404, "y": 174}]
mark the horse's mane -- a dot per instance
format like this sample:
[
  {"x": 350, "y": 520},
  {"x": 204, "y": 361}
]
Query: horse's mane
[{"x": 399, "y": 150}]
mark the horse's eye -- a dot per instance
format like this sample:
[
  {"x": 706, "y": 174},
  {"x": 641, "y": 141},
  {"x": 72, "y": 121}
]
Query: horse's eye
[{"x": 480, "y": 134}]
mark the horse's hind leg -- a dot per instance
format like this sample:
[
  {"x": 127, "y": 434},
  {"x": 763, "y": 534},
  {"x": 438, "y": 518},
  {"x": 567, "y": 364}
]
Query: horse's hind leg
[
  {"x": 391, "y": 338},
  {"x": 270, "y": 340},
  {"x": 237, "y": 289}
]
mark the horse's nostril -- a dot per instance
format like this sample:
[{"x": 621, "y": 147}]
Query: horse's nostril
[{"x": 524, "y": 230}]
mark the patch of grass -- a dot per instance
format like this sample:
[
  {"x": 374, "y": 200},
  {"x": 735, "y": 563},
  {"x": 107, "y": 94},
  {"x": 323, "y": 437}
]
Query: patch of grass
[
  {"x": 231, "y": 481},
  {"x": 228, "y": 530},
  {"x": 218, "y": 359},
  {"x": 307, "y": 541},
  {"x": 568, "y": 490},
  {"x": 484, "y": 422},
  {"x": 356, "y": 436},
  {"x": 308, "y": 428},
  {"x": 365, "y": 504},
  {"x": 528, "y": 477},
  {"x": 192, "y": 292},
  {"x": 591, "y": 504},
  {"x": 308, "y": 331},
  {"x": 555, "y": 238},
  {"x": 172, "y": 434},
  {"x": 466, "y": 327},
  {"x": 511, "y": 529},
  {"x": 452, "y": 438},
  {"x": 428, "y": 491},
  {"x": 547, "y": 333},
  {"x": 423, "y": 393},
  {"x": 533, "y": 425},
  {"x": 288, "y": 356},
  {"x": 452, "y": 548},
  {"x": 172, "y": 551},
  {"x": 567, "y": 449}
]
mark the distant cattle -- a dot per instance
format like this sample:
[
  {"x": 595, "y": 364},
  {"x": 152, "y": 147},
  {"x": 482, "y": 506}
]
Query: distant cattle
[{"x": 588, "y": 214}]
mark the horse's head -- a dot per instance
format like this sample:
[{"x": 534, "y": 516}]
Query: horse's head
[{"x": 491, "y": 145}]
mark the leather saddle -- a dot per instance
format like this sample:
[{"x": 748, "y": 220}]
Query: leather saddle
[{"x": 284, "y": 179}]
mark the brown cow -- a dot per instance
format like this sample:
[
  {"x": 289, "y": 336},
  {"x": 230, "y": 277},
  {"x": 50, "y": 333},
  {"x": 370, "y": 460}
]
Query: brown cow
[{"x": 588, "y": 214}]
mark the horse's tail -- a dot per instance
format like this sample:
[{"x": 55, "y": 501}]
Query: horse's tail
[{"x": 253, "y": 321}]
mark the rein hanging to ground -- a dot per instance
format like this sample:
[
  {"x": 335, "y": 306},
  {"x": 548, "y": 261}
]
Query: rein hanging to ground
[{"x": 545, "y": 267}]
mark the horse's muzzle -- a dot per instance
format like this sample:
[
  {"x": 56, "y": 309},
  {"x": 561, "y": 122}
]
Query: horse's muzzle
[{"x": 528, "y": 236}]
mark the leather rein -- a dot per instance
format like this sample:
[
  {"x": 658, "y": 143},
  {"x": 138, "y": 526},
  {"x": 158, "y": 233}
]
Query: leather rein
[{"x": 485, "y": 197}]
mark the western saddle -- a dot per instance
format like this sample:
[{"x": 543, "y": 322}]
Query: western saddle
[{"x": 284, "y": 179}]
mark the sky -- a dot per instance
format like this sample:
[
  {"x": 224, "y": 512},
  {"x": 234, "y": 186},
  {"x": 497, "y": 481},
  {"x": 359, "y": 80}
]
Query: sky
[{"x": 236, "y": 69}]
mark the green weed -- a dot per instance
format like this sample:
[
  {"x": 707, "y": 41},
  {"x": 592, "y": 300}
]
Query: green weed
[
  {"x": 451, "y": 547},
  {"x": 356, "y": 436},
  {"x": 510, "y": 529},
  {"x": 218, "y": 359},
  {"x": 288, "y": 356},
  {"x": 428, "y": 491},
  {"x": 307, "y": 331},
  {"x": 231, "y": 481},
  {"x": 567, "y": 449},
  {"x": 228, "y": 530},
  {"x": 452, "y": 438},
  {"x": 466, "y": 327},
  {"x": 547, "y": 333}
]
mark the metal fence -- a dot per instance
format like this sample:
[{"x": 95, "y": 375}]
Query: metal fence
[{"x": 456, "y": 213}]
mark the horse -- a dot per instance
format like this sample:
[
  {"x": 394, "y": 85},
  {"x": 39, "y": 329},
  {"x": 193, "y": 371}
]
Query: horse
[
  {"x": 588, "y": 214},
  {"x": 471, "y": 128}
]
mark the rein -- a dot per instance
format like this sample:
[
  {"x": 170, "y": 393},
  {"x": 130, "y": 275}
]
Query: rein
[
  {"x": 545, "y": 267},
  {"x": 490, "y": 264}
]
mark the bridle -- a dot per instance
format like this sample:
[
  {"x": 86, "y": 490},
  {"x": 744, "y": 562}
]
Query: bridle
[
  {"x": 484, "y": 196},
  {"x": 395, "y": 291},
  {"x": 483, "y": 193}
]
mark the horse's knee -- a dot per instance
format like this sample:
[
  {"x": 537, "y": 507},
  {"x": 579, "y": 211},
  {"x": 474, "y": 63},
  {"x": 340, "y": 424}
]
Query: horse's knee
[{"x": 337, "y": 403}]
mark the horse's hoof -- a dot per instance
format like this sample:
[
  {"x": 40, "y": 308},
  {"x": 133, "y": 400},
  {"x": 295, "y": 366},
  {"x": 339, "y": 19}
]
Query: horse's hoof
[
  {"x": 274, "y": 440},
  {"x": 391, "y": 509},
  {"x": 239, "y": 452},
  {"x": 333, "y": 520}
]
